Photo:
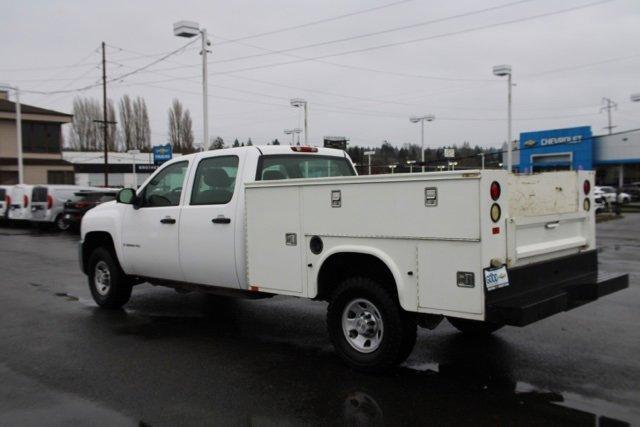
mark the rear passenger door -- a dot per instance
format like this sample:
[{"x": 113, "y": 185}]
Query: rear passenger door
[{"x": 208, "y": 223}]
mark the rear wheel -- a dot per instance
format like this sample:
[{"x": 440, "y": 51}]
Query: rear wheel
[
  {"x": 109, "y": 286},
  {"x": 474, "y": 327},
  {"x": 61, "y": 224},
  {"x": 367, "y": 326}
]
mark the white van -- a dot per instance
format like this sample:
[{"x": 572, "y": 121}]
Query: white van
[
  {"x": 19, "y": 208},
  {"x": 47, "y": 203},
  {"x": 5, "y": 191}
]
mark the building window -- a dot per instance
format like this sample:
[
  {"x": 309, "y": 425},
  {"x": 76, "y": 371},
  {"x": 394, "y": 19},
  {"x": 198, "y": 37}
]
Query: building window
[
  {"x": 60, "y": 177},
  {"x": 8, "y": 177},
  {"x": 40, "y": 137}
]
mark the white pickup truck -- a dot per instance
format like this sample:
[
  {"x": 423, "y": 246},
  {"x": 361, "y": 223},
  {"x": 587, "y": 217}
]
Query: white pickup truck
[{"x": 388, "y": 252}]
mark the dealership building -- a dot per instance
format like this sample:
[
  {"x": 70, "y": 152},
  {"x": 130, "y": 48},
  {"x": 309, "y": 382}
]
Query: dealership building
[{"x": 614, "y": 157}]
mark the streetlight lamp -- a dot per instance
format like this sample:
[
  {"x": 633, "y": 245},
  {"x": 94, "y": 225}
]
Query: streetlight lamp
[
  {"x": 392, "y": 167},
  {"x": 190, "y": 29},
  {"x": 369, "y": 154},
  {"x": 133, "y": 169},
  {"x": 421, "y": 119},
  {"x": 299, "y": 102},
  {"x": 635, "y": 97},
  {"x": 411, "y": 163},
  {"x": 292, "y": 132},
  {"x": 501, "y": 71},
  {"x": 18, "y": 130}
]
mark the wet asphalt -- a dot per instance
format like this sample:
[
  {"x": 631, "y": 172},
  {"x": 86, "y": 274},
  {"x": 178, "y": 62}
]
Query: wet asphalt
[{"x": 190, "y": 359}]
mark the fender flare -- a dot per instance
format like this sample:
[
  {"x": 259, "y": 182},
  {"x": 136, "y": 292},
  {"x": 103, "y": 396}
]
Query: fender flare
[{"x": 366, "y": 250}]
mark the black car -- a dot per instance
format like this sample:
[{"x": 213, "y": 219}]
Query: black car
[
  {"x": 633, "y": 190},
  {"x": 75, "y": 208}
]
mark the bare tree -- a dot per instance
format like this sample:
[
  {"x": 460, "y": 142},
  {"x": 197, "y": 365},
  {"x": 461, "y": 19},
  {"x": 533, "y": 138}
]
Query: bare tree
[
  {"x": 175, "y": 126},
  {"x": 111, "y": 129},
  {"x": 142, "y": 129},
  {"x": 126, "y": 123},
  {"x": 84, "y": 131},
  {"x": 187, "y": 133}
]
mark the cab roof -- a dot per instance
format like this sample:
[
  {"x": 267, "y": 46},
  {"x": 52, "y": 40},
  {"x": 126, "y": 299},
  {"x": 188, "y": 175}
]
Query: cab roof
[{"x": 273, "y": 150}]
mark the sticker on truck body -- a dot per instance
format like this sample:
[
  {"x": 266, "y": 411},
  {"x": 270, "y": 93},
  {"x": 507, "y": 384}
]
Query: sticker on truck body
[{"x": 495, "y": 278}]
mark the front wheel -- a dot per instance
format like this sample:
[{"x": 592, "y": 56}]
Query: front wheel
[
  {"x": 110, "y": 286},
  {"x": 474, "y": 327},
  {"x": 61, "y": 224},
  {"x": 367, "y": 326}
]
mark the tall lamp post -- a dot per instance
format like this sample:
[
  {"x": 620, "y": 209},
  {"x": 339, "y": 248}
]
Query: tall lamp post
[
  {"x": 421, "y": 120},
  {"x": 293, "y": 132},
  {"x": 18, "y": 130},
  {"x": 501, "y": 71},
  {"x": 411, "y": 163},
  {"x": 133, "y": 169},
  {"x": 190, "y": 29},
  {"x": 369, "y": 154},
  {"x": 299, "y": 102}
]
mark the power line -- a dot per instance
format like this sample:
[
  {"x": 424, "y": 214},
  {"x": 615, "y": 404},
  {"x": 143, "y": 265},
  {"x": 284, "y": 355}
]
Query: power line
[
  {"x": 375, "y": 33},
  {"x": 320, "y": 21}
]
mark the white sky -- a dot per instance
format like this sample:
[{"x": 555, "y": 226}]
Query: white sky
[{"x": 368, "y": 107}]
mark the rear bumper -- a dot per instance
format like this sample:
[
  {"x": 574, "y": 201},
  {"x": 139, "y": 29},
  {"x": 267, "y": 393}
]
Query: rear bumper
[{"x": 543, "y": 289}]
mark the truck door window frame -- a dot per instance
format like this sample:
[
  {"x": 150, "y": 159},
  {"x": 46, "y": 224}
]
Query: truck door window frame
[
  {"x": 231, "y": 185},
  {"x": 143, "y": 192}
]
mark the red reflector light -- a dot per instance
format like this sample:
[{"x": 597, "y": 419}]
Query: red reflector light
[
  {"x": 304, "y": 149},
  {"x": 7, "y": 200},
  {"x": 586, "y": 187},
  {"x": 25, "y": 201},
  {"x": 49, "y": 201},
  {"x": 495, "y": 190},
  {"x": 495, "y": 230}
]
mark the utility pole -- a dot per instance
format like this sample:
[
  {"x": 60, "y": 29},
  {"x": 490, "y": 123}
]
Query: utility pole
[{"x": 609, "y": 105}]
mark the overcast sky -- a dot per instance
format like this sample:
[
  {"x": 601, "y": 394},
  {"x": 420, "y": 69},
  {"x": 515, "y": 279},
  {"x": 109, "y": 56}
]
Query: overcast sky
[{"x": 249, "y": 96}]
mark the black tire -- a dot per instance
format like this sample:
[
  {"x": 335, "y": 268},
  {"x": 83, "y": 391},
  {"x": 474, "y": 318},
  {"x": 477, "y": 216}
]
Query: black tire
[
  {"x": 398, "y": 335},
  {"x": 60, "y": 224},
  {"x": 118, "y": 291},
  {"x": 474, "y": 327}
]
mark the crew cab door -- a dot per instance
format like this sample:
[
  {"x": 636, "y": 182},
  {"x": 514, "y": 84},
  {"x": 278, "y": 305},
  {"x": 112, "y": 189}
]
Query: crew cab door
[
  {"x": 208, "y": 222},
  {"x": 150, "y": 233}
]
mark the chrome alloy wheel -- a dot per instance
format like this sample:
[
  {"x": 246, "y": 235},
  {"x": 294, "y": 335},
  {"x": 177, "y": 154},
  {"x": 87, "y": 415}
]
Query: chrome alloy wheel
[
  {"x": 102, "y": 278},
  {"x": 362, "y": 325}
]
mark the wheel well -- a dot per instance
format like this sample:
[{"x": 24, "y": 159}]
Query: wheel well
[
  {"x": 93, "y": 240},
  {"x": 339, "y": 267}
]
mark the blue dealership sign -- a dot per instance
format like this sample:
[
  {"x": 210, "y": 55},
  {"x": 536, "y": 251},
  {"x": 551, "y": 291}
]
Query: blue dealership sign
[
  {"x": 570, "y": 148},
  {"x": 162, "y": 153}
]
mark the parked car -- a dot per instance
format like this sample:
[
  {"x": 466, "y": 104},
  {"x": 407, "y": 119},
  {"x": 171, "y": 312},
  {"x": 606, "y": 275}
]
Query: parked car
[
  {"x": 5, "y": 201},
  {"x": 599, "y": 203},
  {"x": 633, "y": 190},
  {"x": 611, "y": 196},
  {"x": 47, "y": 203},
  {"x": 388, "y": 252},
  {"x": 81, "y": 202},
  {"x": 20, "y": 202}
]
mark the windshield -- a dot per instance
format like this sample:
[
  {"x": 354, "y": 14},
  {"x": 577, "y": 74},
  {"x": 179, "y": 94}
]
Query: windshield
[{"x": 302, "y": 166}]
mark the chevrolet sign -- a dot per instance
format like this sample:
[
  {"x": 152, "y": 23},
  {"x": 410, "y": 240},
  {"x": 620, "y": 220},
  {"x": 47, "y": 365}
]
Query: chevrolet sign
[
  {"x": 530, "y": 143},
  {"x": 560, "y": 140}
]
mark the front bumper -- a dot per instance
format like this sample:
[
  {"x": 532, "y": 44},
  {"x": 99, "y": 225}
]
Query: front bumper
[{"x": 543, "y": 289}]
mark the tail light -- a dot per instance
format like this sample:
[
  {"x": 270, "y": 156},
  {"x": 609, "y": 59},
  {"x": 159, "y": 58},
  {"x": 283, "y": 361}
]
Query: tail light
[
  {"x": 586, "y": 186},
  {"x": 495, "y": 190},
  {"x": 49, "y": 201},
  {"x": 7, "y": 200},
  {"x": 25, "y": 201},
  {"x": 304, "y": 149},
  {"x": 496, "y": 212},
  {"x": 586, "y": 205}
]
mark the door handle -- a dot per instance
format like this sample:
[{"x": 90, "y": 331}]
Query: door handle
[
  {"x": 168, "y": 220},
  {"x": 552, "y": 225},
  {"x": 221, "y": 220}
]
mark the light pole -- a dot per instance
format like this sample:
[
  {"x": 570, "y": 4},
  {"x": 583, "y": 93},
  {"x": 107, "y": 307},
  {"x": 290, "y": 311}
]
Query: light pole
[
  {"x": 190, "y": 29},
  {"x": 482, "y": 159},
  {"x": 18, "y": 131},
  {"x": 369, "y": 154},
  {"x": 292, "y": 132},
  {"x": 133, "y": 169},
  {"x": 501, "y": 71},
  {"x": 392, "y": 167},
  {"x": 421, "y": 119},
  {"x": 411, "y": 163},
  {"x": 299, "y": 102}
]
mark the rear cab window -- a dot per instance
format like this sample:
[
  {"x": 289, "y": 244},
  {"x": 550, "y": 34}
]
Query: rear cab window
[
  {"x": 39, "y": 194},
  {"x": 293, "y": 166}
]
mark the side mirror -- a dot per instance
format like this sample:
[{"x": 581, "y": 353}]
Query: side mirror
[{"x": 127, "y": 196}]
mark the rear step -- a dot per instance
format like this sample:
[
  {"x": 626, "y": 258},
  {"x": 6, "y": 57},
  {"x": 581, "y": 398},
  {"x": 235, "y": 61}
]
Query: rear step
[{"x": 525, "y": 308}]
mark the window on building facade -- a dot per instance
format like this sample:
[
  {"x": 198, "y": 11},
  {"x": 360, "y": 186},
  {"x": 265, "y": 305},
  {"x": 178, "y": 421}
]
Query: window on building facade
[
  {"x": 60, "y": 177},
  {"x": 40, "y": 137}
]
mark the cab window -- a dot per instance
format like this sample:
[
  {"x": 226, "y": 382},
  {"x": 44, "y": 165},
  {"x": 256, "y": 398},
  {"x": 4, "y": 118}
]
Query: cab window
[
  {"x": 165, "y": 187},
  {"x": 302, "y": 166},
  {"x": 215, "y": 181}
]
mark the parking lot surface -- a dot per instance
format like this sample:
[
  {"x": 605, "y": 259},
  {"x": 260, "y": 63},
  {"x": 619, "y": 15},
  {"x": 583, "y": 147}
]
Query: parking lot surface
[{"x": 184, "y": 359}]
